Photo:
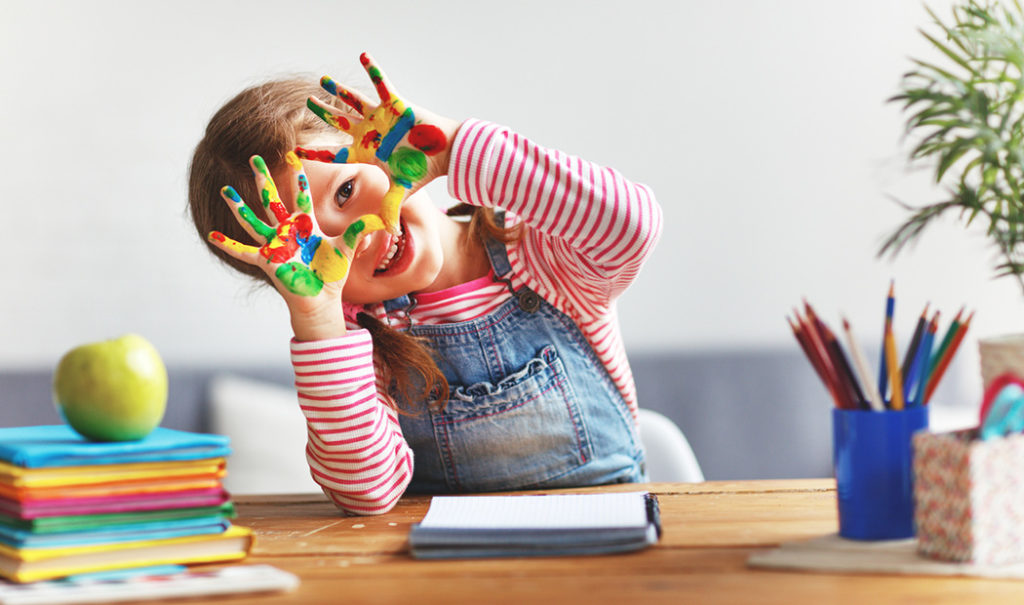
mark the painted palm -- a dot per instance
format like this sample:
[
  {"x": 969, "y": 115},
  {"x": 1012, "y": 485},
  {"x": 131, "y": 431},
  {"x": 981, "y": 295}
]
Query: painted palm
[
  {"x": 405, "y": 142},
  {"x": 298, "y": 256}
]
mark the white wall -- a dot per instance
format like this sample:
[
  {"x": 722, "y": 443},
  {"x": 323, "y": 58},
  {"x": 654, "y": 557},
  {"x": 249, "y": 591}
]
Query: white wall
[{"x": 762, "y": 127}]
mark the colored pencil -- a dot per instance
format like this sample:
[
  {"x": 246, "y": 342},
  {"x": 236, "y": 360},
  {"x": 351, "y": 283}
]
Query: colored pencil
[
  {"x": 883, "y": 366},
  {"x": 911, "y": 353},
  {"x": 816, "y": 346},
  {"x": 816, "y": 329},
  {"x": 924, "y": 355},
  {"x": 817, "y": 357},
  {"x": 853, "y": 395},
  {"x": 944, "y": 345},
  {"x": 861, "y": 365},
  {"x": 947, "y": 357},
  {"x": 801, "y": 338},
  {"x": 895, "y": 380}
]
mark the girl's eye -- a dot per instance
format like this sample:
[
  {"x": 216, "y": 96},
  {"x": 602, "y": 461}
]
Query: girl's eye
[{"x": 344, "y": 192}]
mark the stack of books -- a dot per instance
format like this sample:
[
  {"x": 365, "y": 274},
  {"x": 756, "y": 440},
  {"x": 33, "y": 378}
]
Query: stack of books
[{"x": 71, "y": 506}]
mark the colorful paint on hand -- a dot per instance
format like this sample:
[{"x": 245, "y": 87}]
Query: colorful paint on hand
[
  {"x": 428, "y": 138},
  {"x": 388, "y": 136},
  {"x": 305, "y": 261},
  {"x": 364, "y": 225},
  {"x": 268, "y": 190},
  {"x": 376, "y": 77},
  {"x": 337, "y": 121},
  {"x": 346, "y": 96},
  {"x": 303, "y": 201}
]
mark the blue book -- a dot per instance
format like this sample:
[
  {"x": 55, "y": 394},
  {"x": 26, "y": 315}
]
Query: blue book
[
  {"x": 59, "y": 445},
  {"x": 133, "y": 532}
]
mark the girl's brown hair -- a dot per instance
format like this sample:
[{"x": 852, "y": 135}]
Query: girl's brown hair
[{"x": 270, "y": 119}]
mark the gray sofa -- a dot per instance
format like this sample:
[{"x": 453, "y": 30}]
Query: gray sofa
[{"x": 750, "y": 414}]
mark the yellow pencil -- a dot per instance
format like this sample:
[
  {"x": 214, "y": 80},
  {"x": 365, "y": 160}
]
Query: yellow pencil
[{"x": 895, "y": 380}]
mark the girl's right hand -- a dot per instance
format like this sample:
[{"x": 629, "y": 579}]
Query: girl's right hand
[{"x": 307, "y": 268}]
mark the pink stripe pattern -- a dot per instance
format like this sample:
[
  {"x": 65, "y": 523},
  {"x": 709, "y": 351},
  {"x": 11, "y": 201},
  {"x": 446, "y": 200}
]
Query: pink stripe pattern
[{"x": 589, "y": 231}]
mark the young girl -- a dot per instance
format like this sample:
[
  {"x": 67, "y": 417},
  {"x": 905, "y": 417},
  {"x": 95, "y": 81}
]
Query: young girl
[{"x": 431, "y": 353}]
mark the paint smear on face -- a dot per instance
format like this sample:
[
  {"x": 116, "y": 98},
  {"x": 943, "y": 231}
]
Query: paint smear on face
[{"x": 428, "y": 138}]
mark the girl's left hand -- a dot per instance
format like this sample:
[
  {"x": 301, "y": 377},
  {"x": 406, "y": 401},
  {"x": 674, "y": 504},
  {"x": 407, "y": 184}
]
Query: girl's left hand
[{"x": 410, "y": 144}]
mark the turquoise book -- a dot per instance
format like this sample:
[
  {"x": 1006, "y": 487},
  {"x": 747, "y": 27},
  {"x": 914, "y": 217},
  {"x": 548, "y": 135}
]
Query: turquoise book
[{"x": 60, "y": 446}]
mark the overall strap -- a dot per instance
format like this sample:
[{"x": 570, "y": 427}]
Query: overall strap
[
  {"x": 496, "y": 250},
  {"x": 529, "y": 301}
]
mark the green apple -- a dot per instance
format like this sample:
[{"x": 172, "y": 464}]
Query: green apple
[{"x": 114, "y": 390}]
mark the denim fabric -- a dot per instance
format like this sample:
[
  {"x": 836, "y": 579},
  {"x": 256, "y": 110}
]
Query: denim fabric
[{"x": 530, "y": 405}]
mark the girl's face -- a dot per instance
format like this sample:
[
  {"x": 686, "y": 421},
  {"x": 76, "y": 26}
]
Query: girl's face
[{"x": 384, "y": 266}]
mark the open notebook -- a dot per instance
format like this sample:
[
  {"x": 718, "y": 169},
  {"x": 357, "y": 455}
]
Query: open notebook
[{"x": 545, "y": 525}]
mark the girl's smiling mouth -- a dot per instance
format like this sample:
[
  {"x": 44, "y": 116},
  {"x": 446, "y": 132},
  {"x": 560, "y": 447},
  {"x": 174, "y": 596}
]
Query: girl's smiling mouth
[{"x": 397, "y": 254}]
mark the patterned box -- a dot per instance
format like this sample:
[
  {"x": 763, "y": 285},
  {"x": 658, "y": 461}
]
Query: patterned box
[{"x": 969, "y": 497}]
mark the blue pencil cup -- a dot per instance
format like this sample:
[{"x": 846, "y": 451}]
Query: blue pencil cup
[{"x": 873, "y": 462}]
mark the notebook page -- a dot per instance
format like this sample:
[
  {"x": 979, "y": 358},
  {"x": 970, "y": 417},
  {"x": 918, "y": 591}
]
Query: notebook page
[{"x": 560, "y": 511}]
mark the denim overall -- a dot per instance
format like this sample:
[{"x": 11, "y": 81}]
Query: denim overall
[{"x": 530, "y": 404}]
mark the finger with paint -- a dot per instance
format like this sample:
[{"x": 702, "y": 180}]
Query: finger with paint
[
  {"x": 268, "y": 189},
  {"x": 352, "y": 98},
  {"x": 411, "y": 148},
  {"x": 385, "y": 90},
  {"x": 295, "y": 251}
]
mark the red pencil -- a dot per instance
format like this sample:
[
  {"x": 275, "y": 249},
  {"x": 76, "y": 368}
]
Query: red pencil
[
  {"x": 816, "y": 362},
  {"x": 852, "y": 394},
  {"x": 947, "y": 357}
]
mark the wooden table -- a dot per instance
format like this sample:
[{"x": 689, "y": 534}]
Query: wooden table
[{"x": 709, "y": 531}]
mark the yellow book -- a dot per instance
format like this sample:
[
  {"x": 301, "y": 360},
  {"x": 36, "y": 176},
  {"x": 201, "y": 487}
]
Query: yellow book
[
  {"x": 113, "y": 488},
  {"x": 16, "y": 476},
  {"x": 32, "y": 564}
]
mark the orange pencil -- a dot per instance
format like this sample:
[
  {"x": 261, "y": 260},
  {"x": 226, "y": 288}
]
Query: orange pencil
[{"x": 947, "y": 358}]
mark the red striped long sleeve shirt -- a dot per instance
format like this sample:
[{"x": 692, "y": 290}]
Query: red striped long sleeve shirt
[{"x": 589, "y": 231}]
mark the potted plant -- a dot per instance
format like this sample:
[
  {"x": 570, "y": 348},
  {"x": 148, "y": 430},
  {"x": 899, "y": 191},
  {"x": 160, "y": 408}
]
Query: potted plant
[{"x": 965, "y": 114}]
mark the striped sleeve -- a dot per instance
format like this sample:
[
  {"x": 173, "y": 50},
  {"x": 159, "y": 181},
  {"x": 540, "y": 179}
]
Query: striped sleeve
[
  {"x": 355, "y": 448},
  {"x": 591, "y": 229}
]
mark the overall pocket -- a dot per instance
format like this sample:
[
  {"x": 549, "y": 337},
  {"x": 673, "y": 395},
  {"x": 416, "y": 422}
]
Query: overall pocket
[{"x": 524, "y": 430}]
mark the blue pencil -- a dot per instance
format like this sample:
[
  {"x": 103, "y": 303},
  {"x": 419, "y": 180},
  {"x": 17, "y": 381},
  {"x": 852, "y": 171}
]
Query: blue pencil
[
  {"x": 925, "y": 354},
  {"x": 883, "y": 366}
]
